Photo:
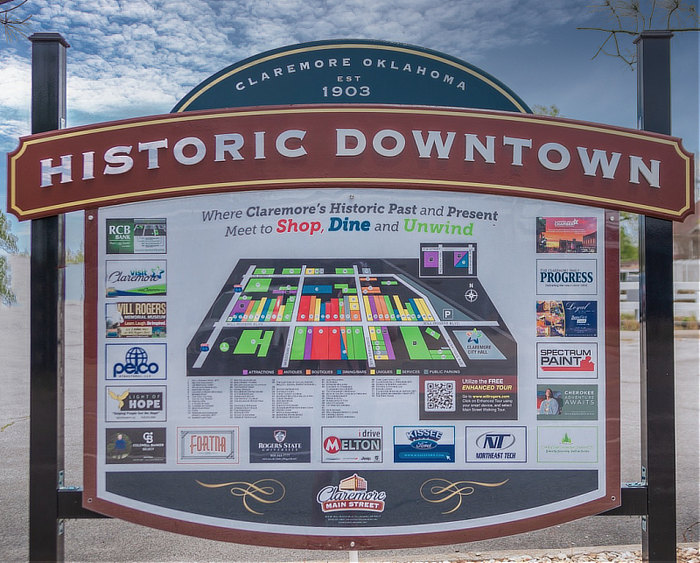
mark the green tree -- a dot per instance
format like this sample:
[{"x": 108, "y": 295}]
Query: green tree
[
  {"x": 551, "y": 110},
  {"x": 8, "y": 243},
  {"x": 12, "y": 26},
  {"x": 629, "y": 246},
  {"x": 628, "y": 18}
]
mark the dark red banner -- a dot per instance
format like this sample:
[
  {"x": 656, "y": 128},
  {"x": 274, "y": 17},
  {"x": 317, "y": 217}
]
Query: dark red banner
[{"x": 352, "y": 146}]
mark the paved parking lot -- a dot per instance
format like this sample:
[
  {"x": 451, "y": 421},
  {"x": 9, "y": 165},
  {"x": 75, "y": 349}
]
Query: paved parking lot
[{"x": 113, "y": 540}]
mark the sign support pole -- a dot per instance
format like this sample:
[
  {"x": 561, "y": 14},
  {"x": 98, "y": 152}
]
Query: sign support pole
[
  {"x": 656, "y": 315},
  {"x": 47, "y": 328}
]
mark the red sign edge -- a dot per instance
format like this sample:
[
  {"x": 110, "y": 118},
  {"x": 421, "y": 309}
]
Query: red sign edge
[{"x": 37, "y": 211}]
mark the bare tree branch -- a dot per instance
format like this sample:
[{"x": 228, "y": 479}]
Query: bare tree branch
[
  {"x": 610, "y": 31},
  {"x": 12, "y": 25},
  {"x": 632, "y": 17}
]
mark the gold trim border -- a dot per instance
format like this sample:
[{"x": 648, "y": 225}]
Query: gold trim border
[
  {"x": 341, "y": 45},
  {"x": 180, "y": 118}
]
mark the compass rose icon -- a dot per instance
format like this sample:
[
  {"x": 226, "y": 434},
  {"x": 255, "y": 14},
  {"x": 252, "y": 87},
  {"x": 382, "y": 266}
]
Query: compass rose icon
[{"x": 471, "y": 295}]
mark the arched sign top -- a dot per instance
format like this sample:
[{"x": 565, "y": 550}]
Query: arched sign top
[
  {"x": 352, "y": 71},
  {"x": 349, "y": 145}
]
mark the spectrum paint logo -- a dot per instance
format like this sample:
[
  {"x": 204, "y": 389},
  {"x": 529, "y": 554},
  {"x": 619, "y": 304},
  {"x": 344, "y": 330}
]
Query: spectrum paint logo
[{"x": 578, "y": 360}]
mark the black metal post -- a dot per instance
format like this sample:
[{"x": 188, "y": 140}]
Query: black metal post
[
  {"x": 656, "y": 315},
  {"x": 47, "y": 319}
]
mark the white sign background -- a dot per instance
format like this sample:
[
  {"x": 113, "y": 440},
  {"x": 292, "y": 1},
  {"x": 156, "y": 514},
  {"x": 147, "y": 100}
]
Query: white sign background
[{"x": 202, "y": 253}]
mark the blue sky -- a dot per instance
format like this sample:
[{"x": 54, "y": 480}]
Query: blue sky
[{"x": 139, "y": 57}]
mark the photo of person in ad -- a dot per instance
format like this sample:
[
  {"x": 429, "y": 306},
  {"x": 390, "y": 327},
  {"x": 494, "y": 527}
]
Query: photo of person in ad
[{"x": 549, "y": 406}]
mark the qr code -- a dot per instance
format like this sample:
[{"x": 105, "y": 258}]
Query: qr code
[{"x": 440, "y": 396}]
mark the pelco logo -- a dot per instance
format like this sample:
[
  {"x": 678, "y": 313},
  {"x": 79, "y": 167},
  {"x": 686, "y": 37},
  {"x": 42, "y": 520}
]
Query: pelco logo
[
  {"x": 146, "y": 361},
  {"x": 351, "y": 494},
  {"x": 136, "y": 362}
]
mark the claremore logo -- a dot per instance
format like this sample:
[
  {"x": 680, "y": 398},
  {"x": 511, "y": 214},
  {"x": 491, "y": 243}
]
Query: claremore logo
[
  {"x": 145, "y": 361},
  {"x": 135, "y": 278},
  {"x": 351, "y": 494}
]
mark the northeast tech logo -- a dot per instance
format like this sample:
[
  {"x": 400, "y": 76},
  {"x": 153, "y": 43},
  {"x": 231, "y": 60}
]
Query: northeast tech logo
[
  {"x": 144, "y": 361},
  {"x": 496, "y": 444}
]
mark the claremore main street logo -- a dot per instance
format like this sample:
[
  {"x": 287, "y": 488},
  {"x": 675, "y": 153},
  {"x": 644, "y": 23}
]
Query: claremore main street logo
[{"x": 351, "y": 494}]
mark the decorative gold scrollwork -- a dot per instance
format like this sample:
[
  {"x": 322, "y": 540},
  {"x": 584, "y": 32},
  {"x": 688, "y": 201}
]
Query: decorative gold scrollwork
[
  {"x": 441, "y": 490},
  {"x": 264, "y": 491}
]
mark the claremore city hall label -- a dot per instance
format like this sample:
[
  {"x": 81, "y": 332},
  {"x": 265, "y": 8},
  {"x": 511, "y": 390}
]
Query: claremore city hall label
[{"x": 350, "y": 146}]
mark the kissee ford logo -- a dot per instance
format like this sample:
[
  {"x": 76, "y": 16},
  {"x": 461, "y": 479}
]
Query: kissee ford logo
[
  {"x": 142, "y": 361},
  {"x": 424, "y": 438}
]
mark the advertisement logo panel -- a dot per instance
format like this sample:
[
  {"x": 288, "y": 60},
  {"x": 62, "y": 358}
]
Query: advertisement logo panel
[
  {"x": 567, "y": 318},
  {"x": 136, "y": 319},
  {"x": 136, "y": 236},
  {"x": 424, "y": 444},
  {"x": 359, "y": 444},
  {"x": 135, "y": 403},
  {"x": 499, "y": 444},
  {"x": 567, "y": 444},
  {"x": 135, "y": 278},
  {"x": 567, "y": 402},
  {"x": 577, "y": 360},
  {"x": 135, "y": 445},
  {"x": 567, "y": 277},
  {"x": 138, "y": 361},
  {"x": 280, "y": 444},
  {"x": 207, "y": 445}
]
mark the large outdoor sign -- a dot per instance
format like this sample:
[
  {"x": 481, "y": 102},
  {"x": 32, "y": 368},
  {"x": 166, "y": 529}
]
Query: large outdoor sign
[
  {"x": 351, "y": 367},
  {"x": 347, "y": 324}
]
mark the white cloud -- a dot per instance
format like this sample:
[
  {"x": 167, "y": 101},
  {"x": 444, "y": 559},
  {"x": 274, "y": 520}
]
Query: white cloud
[
  {"x": 131, "y": 57},
  {"x": 15, "y": 83}
]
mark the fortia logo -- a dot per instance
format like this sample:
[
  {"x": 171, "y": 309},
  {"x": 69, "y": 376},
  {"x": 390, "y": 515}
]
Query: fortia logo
[
  {"x": 495, "y": 440},
  {"x": 135, "y": 362}
]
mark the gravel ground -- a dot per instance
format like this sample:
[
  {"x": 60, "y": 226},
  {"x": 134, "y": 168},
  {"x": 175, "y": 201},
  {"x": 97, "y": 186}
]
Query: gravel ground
[
  {"x": 629, "y": 553},
  {"x": 616, "y": 537}
]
